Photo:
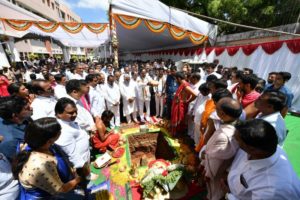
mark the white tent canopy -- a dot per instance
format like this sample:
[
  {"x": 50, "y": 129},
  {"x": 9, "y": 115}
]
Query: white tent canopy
[
  {"x": 141, "y": 39},
  {"x": 11, "y": 11},
  {"x": 84, "y": 38}
]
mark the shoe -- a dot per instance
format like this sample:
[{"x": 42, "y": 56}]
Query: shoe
[
  {"x": 136, "y": 121},
  {"x": 129, "y": 122},
  {"x": 142, "y": 120}
]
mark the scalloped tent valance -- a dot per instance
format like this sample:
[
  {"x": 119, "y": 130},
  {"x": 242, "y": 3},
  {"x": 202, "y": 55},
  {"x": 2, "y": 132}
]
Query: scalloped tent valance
[
  {"x": 18, "y": 22},
  {"x": 50, "y": 27},
  {"x": 268, "y": 47}
]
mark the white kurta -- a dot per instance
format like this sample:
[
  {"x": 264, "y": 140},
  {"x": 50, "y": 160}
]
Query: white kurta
[
  {"x": 272, "y": 178},
  {"x": 143, "y": 89},
  {"x": 79, "y": 77},
  {"x": 220, "y": 148},
  {"x": 199, "y": 108},
  {"x": 135, "y": 85},
  {"x": 69, "y": 75},
  {"x": 159, "y": 98},
  {"x": 74, "y": 142},
  {"x": 277, "y": 121},
  {"x": 191, "y": 125},
  {"x": 144, "y": 96},
  {"x": 43, "y": 107},
  {"x": 214, "y": 73},
  {"x": 60, "y": 91},
  {"x": 112, "y": 96},
  {"x": 101, "y": 88},
  {"x": 97, "y": 102},
  {"x": 195, "y": 88},
  {"x": 128, "y": 92}
]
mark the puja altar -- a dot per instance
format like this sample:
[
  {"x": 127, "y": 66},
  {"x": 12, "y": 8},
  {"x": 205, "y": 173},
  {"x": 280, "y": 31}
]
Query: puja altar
[{"x": 148, "y": 164}]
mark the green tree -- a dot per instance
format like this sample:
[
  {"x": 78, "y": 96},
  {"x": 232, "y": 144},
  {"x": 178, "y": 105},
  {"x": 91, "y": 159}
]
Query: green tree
[{"x": 259, "y": 13}]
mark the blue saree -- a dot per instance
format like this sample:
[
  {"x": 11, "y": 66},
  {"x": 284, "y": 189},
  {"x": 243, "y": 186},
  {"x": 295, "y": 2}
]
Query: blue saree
[{"x": 64, "y": 172}]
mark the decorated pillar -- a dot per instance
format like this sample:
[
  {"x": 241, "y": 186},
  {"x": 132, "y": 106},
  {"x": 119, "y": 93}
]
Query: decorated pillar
[
  {"x": 66, "y": 54},
  {"x": 114, "y": 40},
  {"x": 105, "y": 55}
]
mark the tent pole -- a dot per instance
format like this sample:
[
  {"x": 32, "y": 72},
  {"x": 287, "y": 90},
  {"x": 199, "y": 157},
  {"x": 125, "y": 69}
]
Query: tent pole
[{"x": 105, "y": 56}]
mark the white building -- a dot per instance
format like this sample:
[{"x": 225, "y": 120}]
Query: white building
[{"x": 52, "y": 10}]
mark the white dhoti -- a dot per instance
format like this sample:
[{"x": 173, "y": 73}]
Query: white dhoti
[
  {"x": 196, "y": 133},
  {"x": 141, "y": 108},
  {"x": 116, "y": 110},
  {"x": 128, "y": 109},
  {"x": 159, "y": 104}
]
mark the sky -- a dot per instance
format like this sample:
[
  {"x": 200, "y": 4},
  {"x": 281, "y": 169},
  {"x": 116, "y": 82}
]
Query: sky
[{"x": 89, "y": 10}]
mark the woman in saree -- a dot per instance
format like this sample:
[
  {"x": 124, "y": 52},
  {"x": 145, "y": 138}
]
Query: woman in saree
[
  {"x": 183, "y": 96},
  {"x": 40, "y": 167}
]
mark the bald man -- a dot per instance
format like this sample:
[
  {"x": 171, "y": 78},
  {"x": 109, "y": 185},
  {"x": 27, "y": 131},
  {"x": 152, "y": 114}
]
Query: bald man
[{"x": 221, "y": 147}]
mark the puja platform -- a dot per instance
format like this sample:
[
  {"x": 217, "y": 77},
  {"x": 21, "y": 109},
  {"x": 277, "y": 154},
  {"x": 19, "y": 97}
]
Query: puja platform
[{"x": 144, "y": 147}]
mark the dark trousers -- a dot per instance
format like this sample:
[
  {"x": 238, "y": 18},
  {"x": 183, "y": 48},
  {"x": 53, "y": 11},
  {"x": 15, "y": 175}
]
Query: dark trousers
[{"x": 168, "y": 108}]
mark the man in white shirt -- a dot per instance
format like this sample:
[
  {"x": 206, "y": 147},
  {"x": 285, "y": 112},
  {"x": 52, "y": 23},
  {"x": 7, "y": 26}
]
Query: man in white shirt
[
  {"x": 60, "y": 88},
  {"x": 159, "y": 97},
  {"x": 108, "y": 70},
  {"x": 195, "y": 84},
  {"x": 117, "y": 75},
  {"x": 198, "y": 109},
  {"x": 210, "y": 70},
  {"x": 29, "y": 71},
  {"x": 124, "y": 71},
  {"x": 73, "y": 140},
  {"x": 101, "y": 84},
  {"x": 261, "y": 169},
  {"x": 127, "y": 89},
  {"x": 112, "y": 97},
  {"x": 270, "y": 103},
  {"x": 221, "y": 147},
  {"x": 134, "y": 76},
  {"x": 144, "y": 95},
  {"x": 79, "y": 72},
  {"x": 44, "y": 103},
  {"x": 75, "y": 90},
  {"x": 96, "y": 99}
]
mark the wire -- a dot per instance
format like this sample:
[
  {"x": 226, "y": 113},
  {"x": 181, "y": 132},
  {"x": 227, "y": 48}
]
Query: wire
[{"x": 236, "y": 24}]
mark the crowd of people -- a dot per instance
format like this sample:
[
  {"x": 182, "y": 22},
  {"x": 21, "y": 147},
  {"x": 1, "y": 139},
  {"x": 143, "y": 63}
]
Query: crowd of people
[{"x": 51, "y": 115}]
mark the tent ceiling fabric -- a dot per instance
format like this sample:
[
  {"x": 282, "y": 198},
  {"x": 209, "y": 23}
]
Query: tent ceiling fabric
[
  {"x": 85, "y": 38},
  {"x": 141, "y": 39}
]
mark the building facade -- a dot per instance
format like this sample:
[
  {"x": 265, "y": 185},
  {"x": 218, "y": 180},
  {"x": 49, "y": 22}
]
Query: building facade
[{"x": 51, "y": 10}]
